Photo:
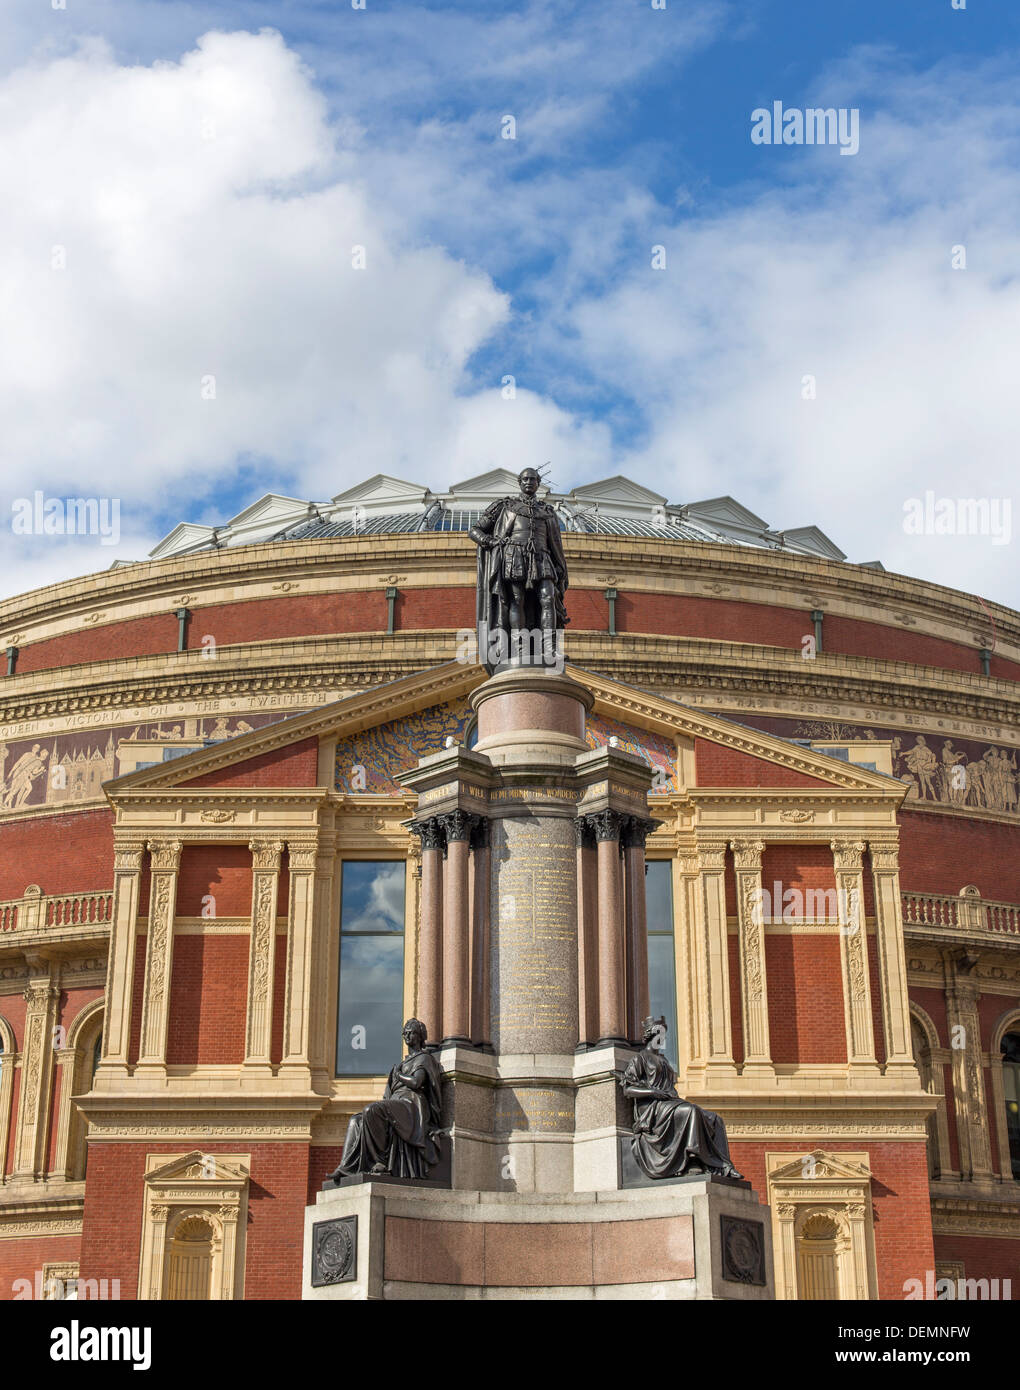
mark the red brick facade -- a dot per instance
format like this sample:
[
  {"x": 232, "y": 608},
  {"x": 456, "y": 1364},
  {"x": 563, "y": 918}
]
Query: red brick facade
[{"x": 72, "y": 852}]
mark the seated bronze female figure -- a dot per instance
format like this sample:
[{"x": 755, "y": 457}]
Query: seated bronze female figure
[
  {"x": 672, "y": 1137},
  {"x": 399, "y": 1134}
]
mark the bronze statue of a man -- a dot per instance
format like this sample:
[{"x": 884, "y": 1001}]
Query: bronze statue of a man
[
  {"x": 398, "y": 1135},
  {"x": 522, "y": 579},
  {"x": 672, "y": 1136}
]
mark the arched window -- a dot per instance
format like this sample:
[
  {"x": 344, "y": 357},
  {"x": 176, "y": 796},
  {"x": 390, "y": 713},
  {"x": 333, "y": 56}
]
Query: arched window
[
  {"x": 1011, "y": 1089},
  {"x": 84, "y": 1048},
  {"x": 7, "y": 1055},
  {"x": 190, "y": 1260},
  {"x": 922, "y": 1056}
]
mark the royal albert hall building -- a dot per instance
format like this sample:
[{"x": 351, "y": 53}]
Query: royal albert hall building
[{"x": 209, "y": 897}]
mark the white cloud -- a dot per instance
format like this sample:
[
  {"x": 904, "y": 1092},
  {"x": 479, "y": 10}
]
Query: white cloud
[
  {"x": 206, "y": 232},
  {"x": 845, "y": 275},
  {"x": 208, "y": 208}
]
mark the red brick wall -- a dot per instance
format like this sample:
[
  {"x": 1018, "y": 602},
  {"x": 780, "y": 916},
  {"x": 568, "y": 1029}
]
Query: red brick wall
[
  {"x": 719, "y": 766},
  {"x": 133, "y": 637},
  {"x": 806, "y": 868},
  {"x": 984, "y": 1257},
  {"x": 414, "y": 609},
  {"x": 222, "y": 872},
  {"x": 293, "y": 765},
  {"x": 805, "y": 988},
  {"x": 137, "y": 991},
  {"x": 851, "y": 637},
  {"x": 933, "y": 1002},
  {"x": 939, "y": 854},
  {"x": 67, "y": 853},
  {"x": 208, "y": 1000},
  {"x": 876, "y": 1000},
  {"x": 720, "y": 620},
  {"x": 322, "y": 1162},
  {"x": 263, "y": 619},
  {"x": 736, "y": 1017},
  {"x": 20, "y": 1259},
  {"x": 899, "y": 1191},
  {"x": 278, "y": 1194},
  {"x": 12, "y": 1007},
  {"x": 991, "y": 1008},
  {"x": 279, "y": 999}
]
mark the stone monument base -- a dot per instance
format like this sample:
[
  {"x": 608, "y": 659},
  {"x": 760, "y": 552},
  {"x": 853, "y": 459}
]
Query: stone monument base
[{"x": 390, "y": 1241}]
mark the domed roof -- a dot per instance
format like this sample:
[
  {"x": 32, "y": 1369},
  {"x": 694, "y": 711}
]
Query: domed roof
[{"x": 385, "y": 505}]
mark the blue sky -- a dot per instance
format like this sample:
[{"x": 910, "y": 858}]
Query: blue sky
[{"x": 206, "y": 178}]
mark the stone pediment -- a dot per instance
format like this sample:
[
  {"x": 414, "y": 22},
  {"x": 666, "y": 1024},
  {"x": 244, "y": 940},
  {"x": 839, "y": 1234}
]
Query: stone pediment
[
  {"x": 383, "y": 493},
  {"x": 498, "y": 482},
  {"x": 727, "y": 513},
  {"x": 820, "y": 1164},
  {"x": 777, "y": 761},
  {"x": 618, "y": 491},
  {"x": 198, "y": 1166},
  {"x": 273, "y": 507},
  {"x": 184, "y": 536}
]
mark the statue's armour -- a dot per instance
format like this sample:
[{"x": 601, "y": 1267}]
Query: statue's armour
[{"x": 530, "y": 525}]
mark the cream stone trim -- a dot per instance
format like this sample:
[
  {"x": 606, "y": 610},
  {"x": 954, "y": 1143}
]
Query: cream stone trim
[
  {"x": 1006, "y": 1022},
  {"x": 265, "y": 878},
  {"x": 800, "y": 926},
  {"x": 10, "y": 1059},
  {"x": 306, "y": 885},
  {"x": 937, "y": 1088},
  {"x": 215, "y": 926},
  {"x": 860, "y": 1030},
  {"x": 969, "y": 1100},
  {"x": 838, "y": 1188},
  {"x": 691, "y": 1023},
  {"x": 212, "y": 1187},
  {"x": 892, "y": 962},
  {"x": 960, "y": 1216},
  {"x": 128, "y": 856},
  {"x": 712, "y": 959},
  {"x": 51, "y": 1218},
  {"x": 747, "y": 855},
  {"x": 31, "y": 1140},
  {"x": 165, "y": 857},
  {"x": 57, "y": 1275},
  {"x": 701, "y": 673},
  {"x": 74, "y": 1059}
]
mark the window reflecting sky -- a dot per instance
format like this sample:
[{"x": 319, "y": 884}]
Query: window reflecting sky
[
  {"x": 661, "y": 959},
  {"x": 371, "y": 993}
]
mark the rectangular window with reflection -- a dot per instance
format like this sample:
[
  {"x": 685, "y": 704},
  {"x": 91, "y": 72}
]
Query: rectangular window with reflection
[
  {"x": 371, "y": 994},
  {"x": 661, "y": 949}
]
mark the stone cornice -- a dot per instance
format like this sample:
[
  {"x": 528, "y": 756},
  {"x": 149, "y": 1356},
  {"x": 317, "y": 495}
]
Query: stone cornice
[{"x": 338, "y": 664}]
